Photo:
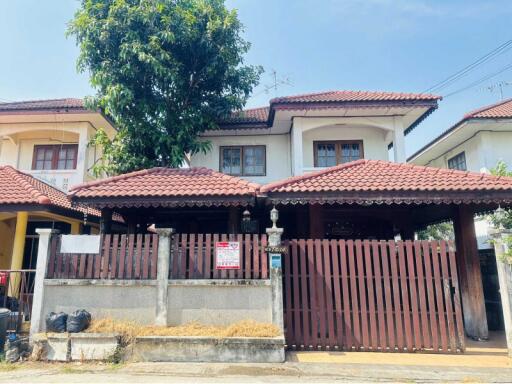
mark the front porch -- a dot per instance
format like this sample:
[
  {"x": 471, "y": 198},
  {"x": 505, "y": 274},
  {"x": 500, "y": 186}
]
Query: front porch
[{"x": 363, "y": 202}]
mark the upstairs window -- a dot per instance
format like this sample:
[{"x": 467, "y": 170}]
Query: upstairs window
[
  {"x": 48, "y": 157},
  {"x": 458, "y": 162},
  {"x": 246, "y": 160},
  {"x": 330, "y": 153}
]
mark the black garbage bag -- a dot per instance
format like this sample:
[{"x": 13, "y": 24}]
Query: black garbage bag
[
  {"x": 78, "y": 321},
  {"x": 56, "y": 322}
]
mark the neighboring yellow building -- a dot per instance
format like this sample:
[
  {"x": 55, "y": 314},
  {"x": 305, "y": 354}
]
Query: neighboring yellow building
[{"x": 47, "y": 140}]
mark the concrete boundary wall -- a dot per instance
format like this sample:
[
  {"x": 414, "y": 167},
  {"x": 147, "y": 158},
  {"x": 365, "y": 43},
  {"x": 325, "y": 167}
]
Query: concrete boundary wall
[
  {"x": 206, "y": 301},
  {"x": 160, "y": 301},
  {"x": 218, "y": 302}
]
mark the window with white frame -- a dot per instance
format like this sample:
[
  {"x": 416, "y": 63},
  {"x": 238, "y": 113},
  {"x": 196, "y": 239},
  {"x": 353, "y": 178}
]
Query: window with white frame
[{"x": 244, "y": 160}]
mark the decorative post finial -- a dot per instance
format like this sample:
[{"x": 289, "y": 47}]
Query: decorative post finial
[{"x": 274, "y": 216}]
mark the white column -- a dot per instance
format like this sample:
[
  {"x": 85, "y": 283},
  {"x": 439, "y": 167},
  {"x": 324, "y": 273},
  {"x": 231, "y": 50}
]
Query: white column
[
  {"x": 162, "y": 273},
  {"x": 81, "y": 161},
  {"x": 398, "y": 140},
  {"x": 43, "y": 252},
  {"x": 297, "y": 155},
  {"x": 276, "y": 274}
]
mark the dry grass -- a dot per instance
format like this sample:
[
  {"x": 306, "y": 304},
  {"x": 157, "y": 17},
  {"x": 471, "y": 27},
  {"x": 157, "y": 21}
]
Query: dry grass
[{"x": 130, "y": 330}]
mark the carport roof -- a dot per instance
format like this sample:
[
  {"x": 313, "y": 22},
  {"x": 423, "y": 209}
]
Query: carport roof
[
  {"x": 23, "y": 191},
  {"x": 166, "y": 187},
  {"x": 382, "y": 182}
]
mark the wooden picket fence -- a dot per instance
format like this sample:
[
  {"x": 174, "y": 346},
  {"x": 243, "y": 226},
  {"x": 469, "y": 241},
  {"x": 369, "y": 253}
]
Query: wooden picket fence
[
  {"x": 193, "y": 257},
  {"x": 121, "y": 257},
  {"x": 135, "y": 257},
  {"x": 372, "y": 295}
]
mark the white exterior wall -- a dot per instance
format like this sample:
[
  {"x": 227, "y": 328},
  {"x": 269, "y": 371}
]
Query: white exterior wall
[
  {"x": 277, "y": 155},
  {"x": 374, "y": 145},
  {"x": 17, "y": 149},
  {"x": 483, "y": 151},
  {"x": 280, "y": 148}
]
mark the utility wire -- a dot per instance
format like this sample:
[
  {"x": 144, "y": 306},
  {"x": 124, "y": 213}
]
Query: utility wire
[
  {"x": 479, "y": 81},
  {"x": 461, "y": 73}
]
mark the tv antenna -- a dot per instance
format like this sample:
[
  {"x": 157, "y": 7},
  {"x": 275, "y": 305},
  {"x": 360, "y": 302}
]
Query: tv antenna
[
  {"x": 497, "y": 87},
  {"x": 275, "y": 83}
]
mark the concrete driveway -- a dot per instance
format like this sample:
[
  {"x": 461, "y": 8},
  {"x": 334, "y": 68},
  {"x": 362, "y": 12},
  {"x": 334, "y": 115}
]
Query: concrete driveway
[{"x": 289, "y": 372}]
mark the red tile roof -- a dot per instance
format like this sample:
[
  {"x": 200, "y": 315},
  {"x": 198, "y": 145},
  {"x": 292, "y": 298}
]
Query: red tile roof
[
  {"x": 192, "y": 186},
  {"x": 51, "y": 104},
  {"x": 503, "y": 109},
  {"x": 362, "y": 178},
  {"x": 19, "y": 188},
  {"x": 353, "y": 96},
  {"x": 330, "y": 99},
  {"x": 247, "y": 116}
]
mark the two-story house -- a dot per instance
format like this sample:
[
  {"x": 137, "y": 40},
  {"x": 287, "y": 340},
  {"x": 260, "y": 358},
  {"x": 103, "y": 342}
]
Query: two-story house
[
  {"x": 43, "y": 151},
  {"x": 322, "y": 160},
  {"x": 476, "y": 143},
  {"x": 298, "y": 134}
]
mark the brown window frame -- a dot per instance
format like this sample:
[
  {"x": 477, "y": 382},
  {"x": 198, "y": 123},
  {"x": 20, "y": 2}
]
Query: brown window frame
[
  {"x": 337, "y": 147},
  {"x": 242, "y": 157},
  {"x": 55, "y": 157}
]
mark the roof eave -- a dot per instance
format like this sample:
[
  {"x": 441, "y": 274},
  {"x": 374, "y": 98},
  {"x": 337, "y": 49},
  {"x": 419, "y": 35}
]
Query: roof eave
[
  {"x": 162, "y": 201},
  {"x": 391, "y": 197}
]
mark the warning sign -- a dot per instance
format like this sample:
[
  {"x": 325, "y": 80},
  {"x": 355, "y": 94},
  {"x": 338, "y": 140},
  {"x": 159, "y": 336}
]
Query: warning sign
[{"x": 227, "y": 255}]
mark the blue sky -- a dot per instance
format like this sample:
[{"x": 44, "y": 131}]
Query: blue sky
[{"x": 392, "y": 45}]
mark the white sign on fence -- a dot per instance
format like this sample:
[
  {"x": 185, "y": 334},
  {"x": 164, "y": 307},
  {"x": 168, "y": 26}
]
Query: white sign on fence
[
  {"x": 227, "y": 255},
  {"x": 80, "y": 244}
]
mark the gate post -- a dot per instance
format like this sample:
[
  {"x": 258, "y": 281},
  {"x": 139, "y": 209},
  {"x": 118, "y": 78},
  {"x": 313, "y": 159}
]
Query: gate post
[
  {"x": 276, "y": 274},
  {"x": 504, "y": 279},
  {"x": 43, "y": 251},
  {"x": 162, "y": 274}
]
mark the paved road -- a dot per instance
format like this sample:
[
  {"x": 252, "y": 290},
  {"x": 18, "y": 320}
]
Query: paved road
[{"x": 290, "y": 372}]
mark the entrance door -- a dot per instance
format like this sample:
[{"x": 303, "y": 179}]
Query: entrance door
[{"x": 372, "y": 295}]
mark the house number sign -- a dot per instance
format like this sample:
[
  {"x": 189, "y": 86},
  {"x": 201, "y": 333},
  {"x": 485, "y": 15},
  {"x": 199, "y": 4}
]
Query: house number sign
[{"x": 227, "y": 255}]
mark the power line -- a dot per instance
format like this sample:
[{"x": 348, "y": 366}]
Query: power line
[
  {"x": 479, "y": 81},
  {"x": 482, "y": 60}
]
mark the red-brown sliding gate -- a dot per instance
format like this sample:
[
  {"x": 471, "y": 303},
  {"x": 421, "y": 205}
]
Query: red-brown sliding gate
[{"x": 372, "y": 295}]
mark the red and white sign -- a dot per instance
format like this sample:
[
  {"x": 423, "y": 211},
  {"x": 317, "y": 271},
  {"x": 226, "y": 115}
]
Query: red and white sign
[{"x": 227, "y": 255}]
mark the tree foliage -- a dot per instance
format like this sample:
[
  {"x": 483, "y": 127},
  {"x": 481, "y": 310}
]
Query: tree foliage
[
  {"x": 164, "y": 71},
  {"x": 505, "y": 218},
  {"x": 439, "y": 231}
]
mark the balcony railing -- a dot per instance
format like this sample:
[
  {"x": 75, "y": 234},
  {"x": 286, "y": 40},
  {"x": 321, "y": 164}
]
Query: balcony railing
[{"x": 60, "y": 179}]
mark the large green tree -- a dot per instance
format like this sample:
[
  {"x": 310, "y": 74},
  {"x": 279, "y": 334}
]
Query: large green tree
[
  {"x": 505, "y": 218},
  {"x": 164, "y": 71}
]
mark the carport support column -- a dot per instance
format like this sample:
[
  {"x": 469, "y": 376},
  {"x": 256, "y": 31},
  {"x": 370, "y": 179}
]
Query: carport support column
[
  {"x": 276, "y": 272},
  {"x": 505, "y": 280},
  {"x": 162, "y": 274},
  {"x": 43, "y": 253},
  {"x": 470, "y": 275},
  {"x": 106, "y": 221}
]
